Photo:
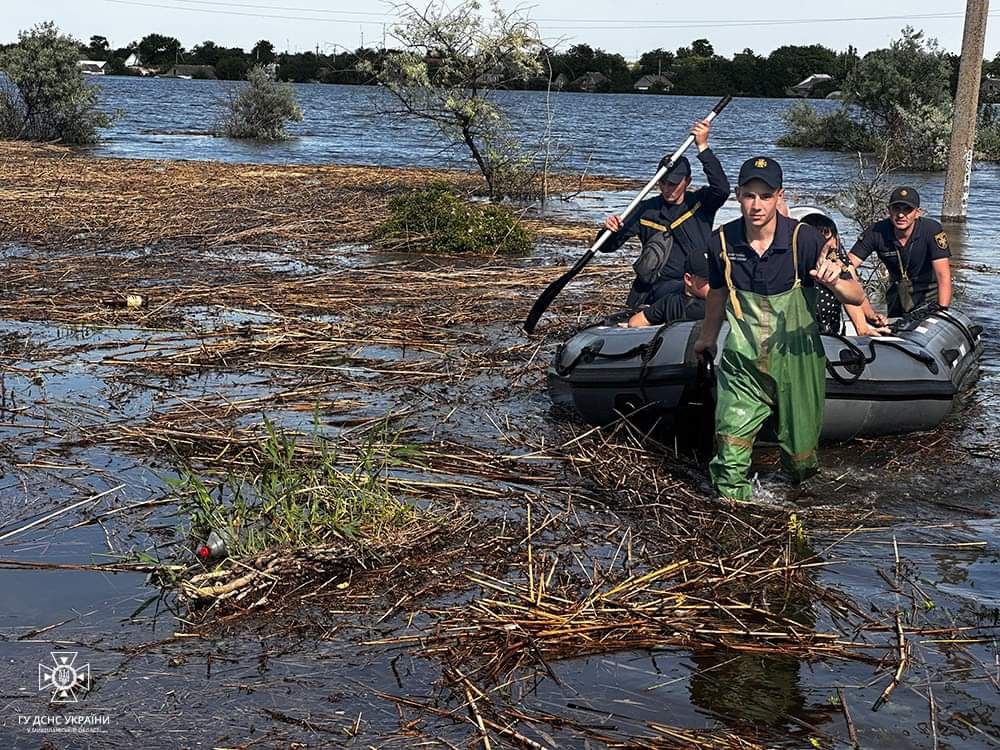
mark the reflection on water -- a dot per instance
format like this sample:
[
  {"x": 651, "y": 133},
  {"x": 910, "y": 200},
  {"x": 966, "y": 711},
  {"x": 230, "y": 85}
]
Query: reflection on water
[{"x": 759, "y": 691}]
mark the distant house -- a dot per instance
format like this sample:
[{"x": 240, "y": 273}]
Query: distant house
[
  {"x": 590, "y": 81},
  {"x": 653, "y": 82},
  {"x": 93, "y": 67},
  {"x": 191, "y": 71},
  {"x": 561, "y": 81},
  {"x": 133, "y": 61},
  {"x": 805, "y": 87}
]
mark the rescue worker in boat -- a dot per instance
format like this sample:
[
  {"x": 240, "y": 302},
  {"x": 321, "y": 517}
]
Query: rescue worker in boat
[
  {"x": 828, "y": 307},
  {"x": 764, "y": 269},
  {"x": 671, "y": 225},
  {"x": 687, "y": 304},
  {"x": 915, "y": 252}
]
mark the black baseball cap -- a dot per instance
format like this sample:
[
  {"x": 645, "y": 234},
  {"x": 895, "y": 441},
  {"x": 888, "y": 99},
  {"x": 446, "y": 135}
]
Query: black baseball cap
[
  {"x": 905, "y": 195},
  {"x": 761, "y": 168},
  {"x": 681, "y": 169},
  {"x": 696, "y": 263}
]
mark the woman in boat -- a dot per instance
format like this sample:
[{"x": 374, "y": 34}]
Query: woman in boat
[{"x": 828, "y": 307}]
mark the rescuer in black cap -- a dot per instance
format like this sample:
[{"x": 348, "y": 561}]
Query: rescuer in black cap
[
  {"x": 673, "y": 224},
  {"x": 915, "y": 252}
]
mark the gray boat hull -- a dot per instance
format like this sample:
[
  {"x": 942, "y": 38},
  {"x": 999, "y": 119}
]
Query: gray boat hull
[{"x": 906, "y": 382}]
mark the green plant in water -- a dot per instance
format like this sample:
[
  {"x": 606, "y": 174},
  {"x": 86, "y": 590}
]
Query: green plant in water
[
  {"x": 436, "y": 219},
  {"x": 43, "y": 94},
  {"x": 296, "y": 501},
  {"x": 261, "y": 108}
]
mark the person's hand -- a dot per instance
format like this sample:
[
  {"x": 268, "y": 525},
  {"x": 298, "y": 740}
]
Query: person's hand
[
  {"x": 704, "y": 350},
  {"x": 873, "y": 331},
  {"x": 700, "y": 131},
  {"x": 879, "y": 320},
  {"x": 613, "y": 223},
  {"x": 827, "y": 270},
  {"x": 639, "y": 320}
]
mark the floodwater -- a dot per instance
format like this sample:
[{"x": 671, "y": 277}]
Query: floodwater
[{"x": 159, "y": 690}]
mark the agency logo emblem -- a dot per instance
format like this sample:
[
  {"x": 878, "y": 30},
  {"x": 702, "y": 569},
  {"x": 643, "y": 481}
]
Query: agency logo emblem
[
  {"x": 66, "y": 680},
  {"x": 760, "y": 163}
]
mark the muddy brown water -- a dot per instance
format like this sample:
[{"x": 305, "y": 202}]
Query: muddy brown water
[{"x": 264, "y": 683}]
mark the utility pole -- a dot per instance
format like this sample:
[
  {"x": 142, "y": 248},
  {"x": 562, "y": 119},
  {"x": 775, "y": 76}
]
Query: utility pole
[{"x": 963, "y": 124}]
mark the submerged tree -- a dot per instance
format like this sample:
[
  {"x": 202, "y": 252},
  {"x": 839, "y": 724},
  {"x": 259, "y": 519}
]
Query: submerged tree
[
  {"x": 261, "y": 109},
  {"x": 899, "y": 98},
  {"x": 43, "y": 94},
  {"x": 449, "y": 64}
]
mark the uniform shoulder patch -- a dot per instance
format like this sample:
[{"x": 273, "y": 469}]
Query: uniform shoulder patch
[{"x": 941, "y": 238}]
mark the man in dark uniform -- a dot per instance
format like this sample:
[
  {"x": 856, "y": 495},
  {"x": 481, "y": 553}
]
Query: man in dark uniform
[
  {"x": 673, "y": 224},
  {"x": 687, "y": 304},
  {"x": 763, "y": 270},
  {"x": 915, "y": 252}
]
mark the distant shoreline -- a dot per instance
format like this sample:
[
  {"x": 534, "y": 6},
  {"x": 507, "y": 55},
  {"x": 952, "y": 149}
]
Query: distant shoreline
[{"x": 630, "y": 94}]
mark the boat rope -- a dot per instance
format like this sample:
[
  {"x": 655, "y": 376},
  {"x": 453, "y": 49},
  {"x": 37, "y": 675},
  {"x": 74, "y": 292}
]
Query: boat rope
[
  {"x": 855, "y": 364},
  {"x": 589, "y": 353},
  {"x": 647, "y": 357},
  {"x": 960, "y": 325}
]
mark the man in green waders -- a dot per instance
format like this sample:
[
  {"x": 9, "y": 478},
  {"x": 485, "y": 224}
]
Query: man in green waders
[{"x": 763, "y": 271}]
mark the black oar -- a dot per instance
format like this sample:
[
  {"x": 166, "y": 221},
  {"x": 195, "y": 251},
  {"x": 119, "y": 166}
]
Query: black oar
[{"x": 543, "y": 302}]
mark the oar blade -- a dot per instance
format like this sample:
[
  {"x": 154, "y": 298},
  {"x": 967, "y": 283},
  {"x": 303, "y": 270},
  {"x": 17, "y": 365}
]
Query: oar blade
[{"x": 551, "y": 292}]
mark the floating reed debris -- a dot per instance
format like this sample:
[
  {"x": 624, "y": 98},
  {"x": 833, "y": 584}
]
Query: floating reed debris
[
  {"x": 54, "y": 196},
  {"x": 690, "y": 604}
]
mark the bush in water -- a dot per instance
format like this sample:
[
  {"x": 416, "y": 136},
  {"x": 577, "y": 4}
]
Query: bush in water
[
  {"x": 43, "y": 94},
  {"x": 836, "y": 131},
  {"x": 261, "y": 108},
  {"x": 896, "y": 101},
  {"x": 436, "y": 219},
  {"x": 988, "y": 133}
]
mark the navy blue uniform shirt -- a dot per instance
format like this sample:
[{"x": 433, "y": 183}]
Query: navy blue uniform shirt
[
  {"x": 927, "y": 243},
  {"x": 653, "y": 215},
  {"x": 772, "y": 272},
  {"x": 673, "y": 307}
]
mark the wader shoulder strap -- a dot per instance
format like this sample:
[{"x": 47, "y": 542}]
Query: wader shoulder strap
[
  {"x": 795, "y": 251},
  {"x": 727, "y": 264}
]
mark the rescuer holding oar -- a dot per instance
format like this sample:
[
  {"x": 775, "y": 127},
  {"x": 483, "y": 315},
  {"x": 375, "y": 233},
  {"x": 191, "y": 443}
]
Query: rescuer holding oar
[
  {"x": 763, "y": 271},
  {"x": 673, "y": 224}
]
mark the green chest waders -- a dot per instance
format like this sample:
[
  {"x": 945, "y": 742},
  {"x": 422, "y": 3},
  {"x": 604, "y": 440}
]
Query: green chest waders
[{"x": 773, "y": 360}]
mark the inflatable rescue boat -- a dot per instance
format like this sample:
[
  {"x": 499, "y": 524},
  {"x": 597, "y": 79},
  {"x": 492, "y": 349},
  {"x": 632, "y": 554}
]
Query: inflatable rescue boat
[{"x": 904, "y": 382}]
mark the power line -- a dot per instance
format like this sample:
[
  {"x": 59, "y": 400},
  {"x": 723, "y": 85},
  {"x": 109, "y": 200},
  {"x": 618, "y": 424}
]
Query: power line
[
  {"x": 606, "y": 24},
  {"x": 611, "y": 24},
  {"x": 293, "y": 10},
  {"x": 238, "y": 13}
]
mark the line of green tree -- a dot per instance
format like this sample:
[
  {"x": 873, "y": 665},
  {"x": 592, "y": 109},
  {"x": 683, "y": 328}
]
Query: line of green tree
[{"x": 691, "y": 70}]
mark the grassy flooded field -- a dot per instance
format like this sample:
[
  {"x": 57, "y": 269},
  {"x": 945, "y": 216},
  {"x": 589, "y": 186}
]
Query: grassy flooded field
[{"x": 421, "y": 551}]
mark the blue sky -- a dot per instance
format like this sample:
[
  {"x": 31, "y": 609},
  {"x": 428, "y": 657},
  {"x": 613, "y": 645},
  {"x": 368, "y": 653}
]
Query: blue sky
[{"x": 628, "y": 26}]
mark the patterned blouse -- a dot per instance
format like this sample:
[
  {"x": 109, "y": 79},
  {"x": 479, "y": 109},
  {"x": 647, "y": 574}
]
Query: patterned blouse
[{"x": 828, "y": 307}]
